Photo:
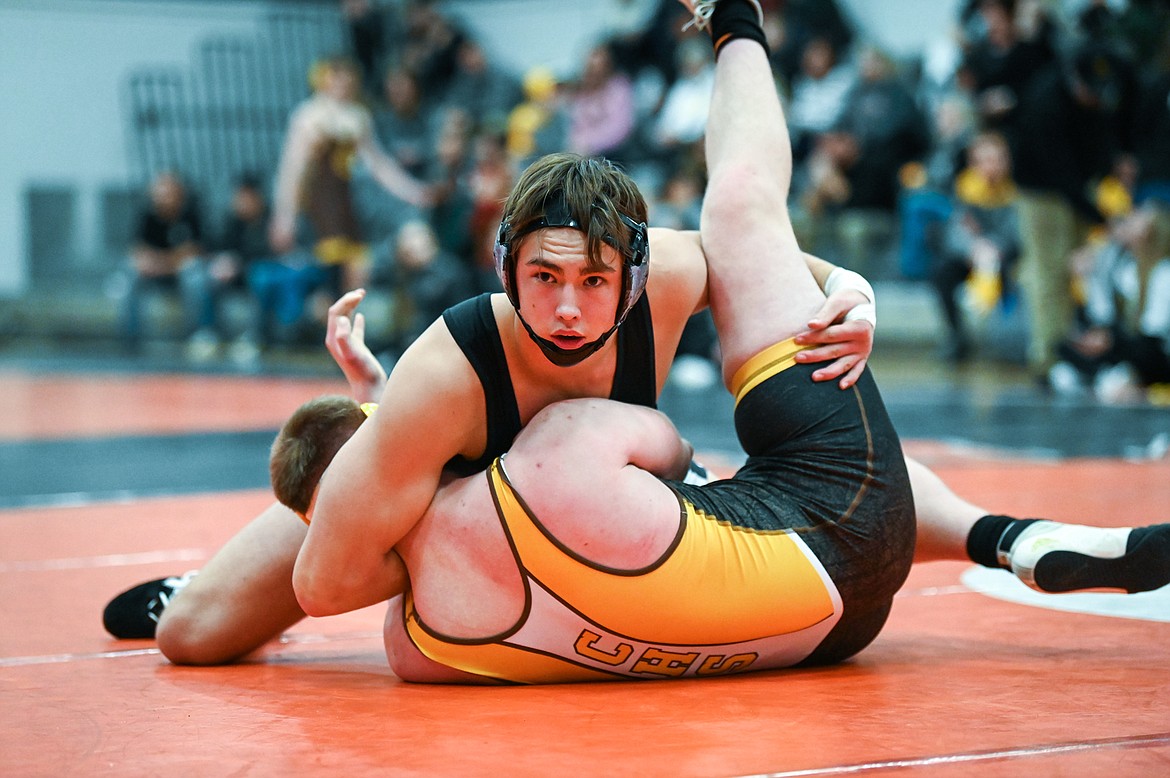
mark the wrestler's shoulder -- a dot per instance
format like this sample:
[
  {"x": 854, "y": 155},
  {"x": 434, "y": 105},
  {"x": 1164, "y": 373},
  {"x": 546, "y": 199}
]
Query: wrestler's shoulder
[
  {"x": 678, "y": 267},
  {"x": 437, "y": 357}
]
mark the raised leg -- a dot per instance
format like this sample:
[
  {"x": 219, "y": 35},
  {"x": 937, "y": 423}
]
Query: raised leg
[{"x": 761, "y": 291}]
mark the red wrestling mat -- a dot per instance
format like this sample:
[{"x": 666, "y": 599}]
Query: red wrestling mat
[
  {"x": 960, "y": 682},
  {"x": 52, "y": 406}
]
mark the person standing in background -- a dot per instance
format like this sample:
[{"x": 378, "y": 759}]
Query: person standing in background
[{"x": 326, "y": 134}]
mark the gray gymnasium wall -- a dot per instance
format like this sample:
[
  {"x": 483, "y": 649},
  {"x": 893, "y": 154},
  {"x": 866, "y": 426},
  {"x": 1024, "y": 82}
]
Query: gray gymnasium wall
[{"x": 70, "y": 167}]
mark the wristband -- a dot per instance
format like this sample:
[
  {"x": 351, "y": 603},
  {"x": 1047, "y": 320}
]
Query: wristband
[{"x": 841, "y": 279}]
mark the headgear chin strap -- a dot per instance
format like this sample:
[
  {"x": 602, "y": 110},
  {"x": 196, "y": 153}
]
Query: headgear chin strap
[
  {"x": 635, "y": 269},
  {"x": 566, "y": 357}
]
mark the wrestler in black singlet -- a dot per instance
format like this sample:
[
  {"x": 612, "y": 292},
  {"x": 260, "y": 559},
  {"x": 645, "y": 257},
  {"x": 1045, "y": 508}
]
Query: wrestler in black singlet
[{"x": 473, "y": 325}]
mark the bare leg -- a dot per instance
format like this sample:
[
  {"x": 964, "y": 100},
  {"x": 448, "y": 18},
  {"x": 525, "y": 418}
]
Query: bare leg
[
  {"x": 761, "y": 291},
  {"x": 860, "y": 522},
  {"x": 759, "y": 296},
  {"x": 241, "y": 599},
  {"x": 944, "y": 519},
  {"x": 1048, "y": 556}
]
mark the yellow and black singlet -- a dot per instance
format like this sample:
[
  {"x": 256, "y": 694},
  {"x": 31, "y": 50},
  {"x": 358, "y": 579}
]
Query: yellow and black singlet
[{"x": 722, "y": 599}]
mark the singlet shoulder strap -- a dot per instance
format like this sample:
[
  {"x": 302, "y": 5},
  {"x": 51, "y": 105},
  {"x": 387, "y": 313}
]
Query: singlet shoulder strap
[
  {"x": 473, "y": 325},
  {"x": 634, "y": 380}
]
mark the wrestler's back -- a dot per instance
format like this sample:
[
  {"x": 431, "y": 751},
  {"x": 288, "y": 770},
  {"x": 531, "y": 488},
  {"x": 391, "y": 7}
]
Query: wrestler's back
[{"x": 465, "y": 578}]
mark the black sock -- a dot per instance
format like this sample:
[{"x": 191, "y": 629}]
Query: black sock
[
  {"x": 733, "y": 19},
  {"x": 991, "y": 534},
  {"x": 1138, "y": 534}
]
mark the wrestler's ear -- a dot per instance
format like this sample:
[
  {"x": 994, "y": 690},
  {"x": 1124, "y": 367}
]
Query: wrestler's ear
[{"x": 501, "y": 254}]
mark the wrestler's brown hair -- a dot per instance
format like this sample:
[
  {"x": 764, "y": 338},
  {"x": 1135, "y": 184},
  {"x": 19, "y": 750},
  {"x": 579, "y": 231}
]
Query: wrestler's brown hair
[
  {"x": 306, "y": 445},
  {"x": 594, "y": 190}
]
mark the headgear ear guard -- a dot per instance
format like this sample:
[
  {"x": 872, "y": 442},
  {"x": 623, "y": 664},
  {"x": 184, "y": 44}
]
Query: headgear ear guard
[{"x": 635, "y": 270}]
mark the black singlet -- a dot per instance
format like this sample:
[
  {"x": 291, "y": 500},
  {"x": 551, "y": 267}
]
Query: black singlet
[{"x": 473, "y": 325}]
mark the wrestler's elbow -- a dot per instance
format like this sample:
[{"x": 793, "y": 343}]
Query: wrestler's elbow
[{"x": 319, "y": 594}]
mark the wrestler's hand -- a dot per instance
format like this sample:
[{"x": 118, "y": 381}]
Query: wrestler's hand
[
  {"x": 345, "y": 337},
  {"x": 846, "y": 345}
]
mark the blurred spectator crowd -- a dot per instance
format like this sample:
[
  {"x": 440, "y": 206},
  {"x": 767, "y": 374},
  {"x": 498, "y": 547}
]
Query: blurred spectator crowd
[{"x": 1019, "y": 166}]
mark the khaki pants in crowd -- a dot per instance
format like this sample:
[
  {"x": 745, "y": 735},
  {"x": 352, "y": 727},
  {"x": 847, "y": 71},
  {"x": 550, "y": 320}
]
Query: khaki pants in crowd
[{"x": 1049, "y": 232}]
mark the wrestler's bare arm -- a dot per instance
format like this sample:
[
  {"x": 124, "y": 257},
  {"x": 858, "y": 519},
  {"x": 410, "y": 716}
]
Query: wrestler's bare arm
[
  {"x": 633, "y": 517},
  {"x": 678, "y": 281},
  {"x": 608, "y": 435},
  {"x": 678, "y": 272},
  {"x": 383, "y": 479}
]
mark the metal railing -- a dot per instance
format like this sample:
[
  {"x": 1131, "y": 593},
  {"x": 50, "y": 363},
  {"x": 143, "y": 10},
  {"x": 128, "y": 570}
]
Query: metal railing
[{"x": 225, "y": 115}]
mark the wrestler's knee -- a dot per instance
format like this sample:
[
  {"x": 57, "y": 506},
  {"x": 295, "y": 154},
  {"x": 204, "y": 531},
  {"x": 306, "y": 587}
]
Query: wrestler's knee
[
  {"x": 850, "y": 636},
  {"x": 191, "y": 632},
  {"x": 740, "y": 195}
]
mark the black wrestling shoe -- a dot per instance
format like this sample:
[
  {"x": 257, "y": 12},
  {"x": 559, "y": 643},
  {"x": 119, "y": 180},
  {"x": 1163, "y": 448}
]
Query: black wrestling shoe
[
  {"x": 1053, "y": 557},
  {"x": 134, "y": 614},
  {"x": 704, "y": 8}
]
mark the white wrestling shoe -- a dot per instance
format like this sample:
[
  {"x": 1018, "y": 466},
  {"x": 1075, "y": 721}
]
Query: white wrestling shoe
[
  {"x": 702, "y": 10},
  {"x": 1052, "y": 557}
]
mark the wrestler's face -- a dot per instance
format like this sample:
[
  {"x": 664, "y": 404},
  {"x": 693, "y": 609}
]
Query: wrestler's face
[{"x": 563, "y": 297}]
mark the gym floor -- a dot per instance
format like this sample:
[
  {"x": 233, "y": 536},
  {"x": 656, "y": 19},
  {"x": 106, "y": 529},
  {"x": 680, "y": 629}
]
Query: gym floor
[{"x": 113, "y": 472}]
